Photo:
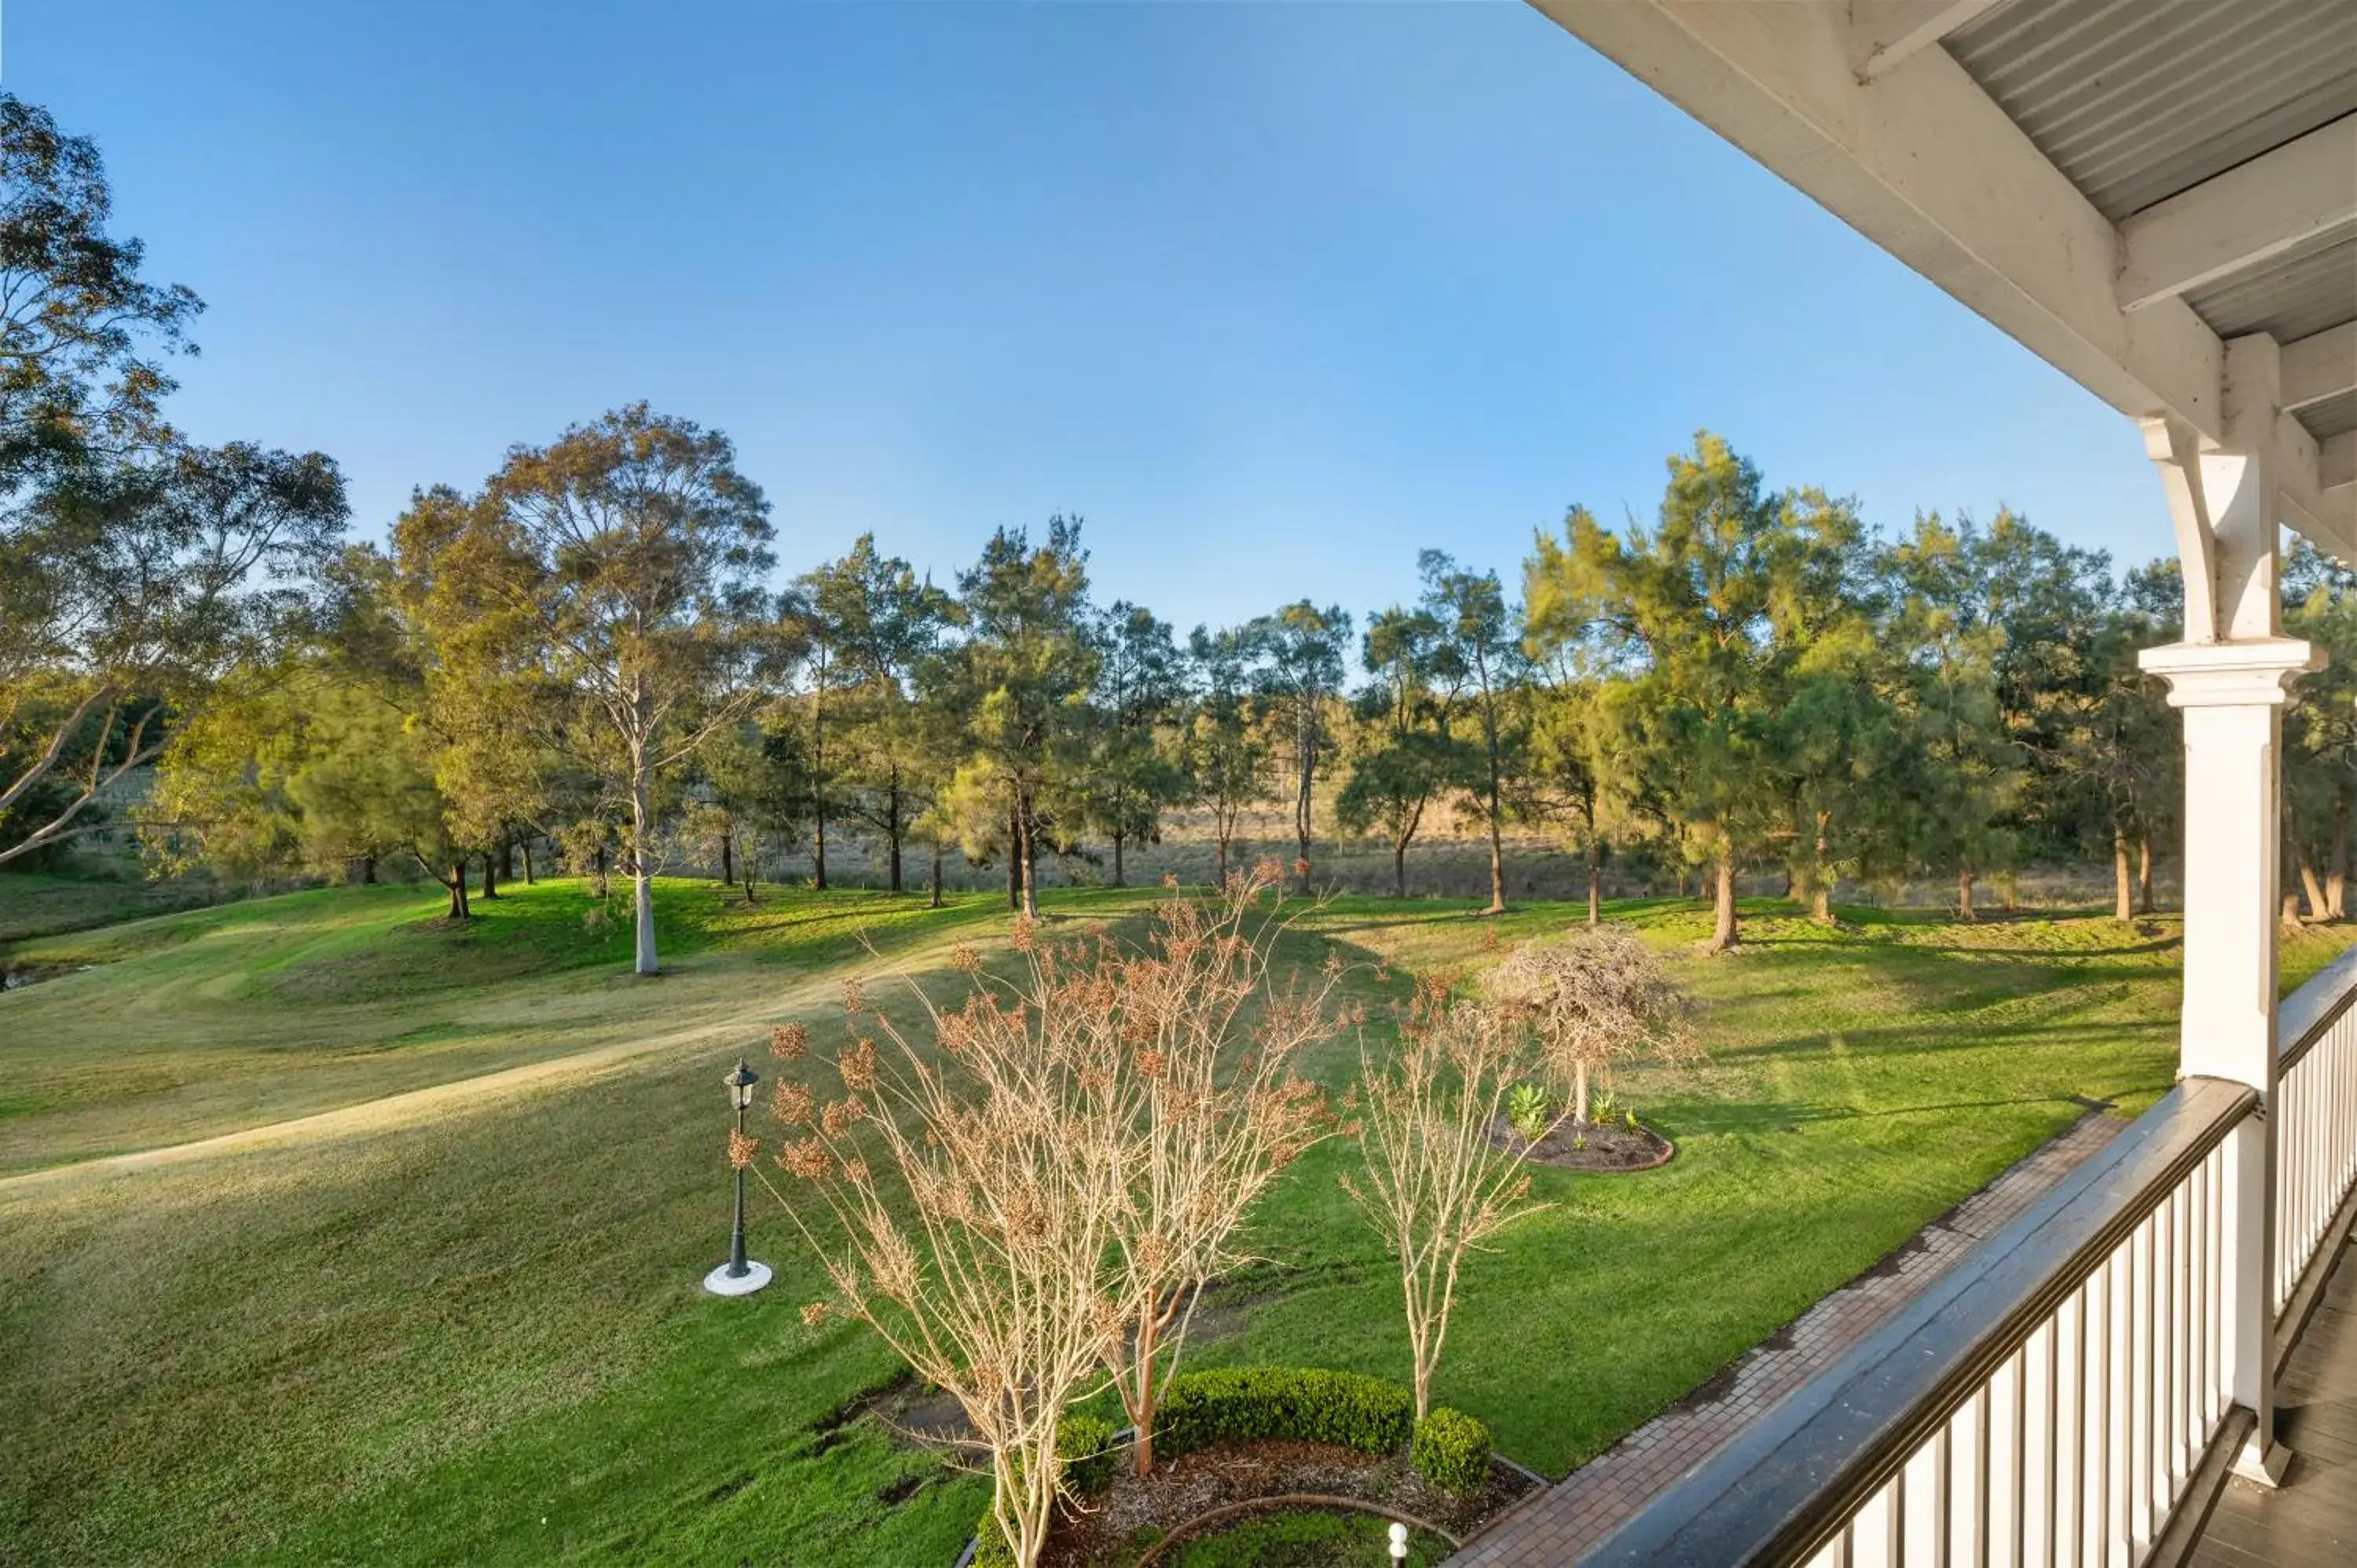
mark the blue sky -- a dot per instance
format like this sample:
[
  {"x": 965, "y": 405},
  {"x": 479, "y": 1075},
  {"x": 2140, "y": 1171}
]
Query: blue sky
[{"x": 1274, "y": 295}]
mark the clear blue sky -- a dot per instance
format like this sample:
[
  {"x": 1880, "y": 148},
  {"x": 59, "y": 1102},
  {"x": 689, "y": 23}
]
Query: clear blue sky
[{"x": 1273, "y": 294}]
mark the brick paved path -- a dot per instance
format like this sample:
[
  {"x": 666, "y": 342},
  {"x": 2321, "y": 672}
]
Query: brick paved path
[{"x": 1568, "y": 1518}]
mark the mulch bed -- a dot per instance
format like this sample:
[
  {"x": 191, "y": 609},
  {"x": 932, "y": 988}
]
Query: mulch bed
[
  {"x": 1611, "y": 1147},
  {"x": 1134, "y": 1512}
]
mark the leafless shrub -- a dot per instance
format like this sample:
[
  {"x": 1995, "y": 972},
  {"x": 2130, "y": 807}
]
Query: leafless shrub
[
  {"x": 1062, "y": 1170},
  {"x": 1434, "y": 1184},
  {"x": 1591, "y": 998}
]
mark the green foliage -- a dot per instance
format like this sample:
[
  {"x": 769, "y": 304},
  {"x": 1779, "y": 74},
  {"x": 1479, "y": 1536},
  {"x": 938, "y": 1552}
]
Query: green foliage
[
  {"x": 1309, "y": 1404},
  {"x": 1451, "y": 1450},
  {"x": 1528, "y": 1110},
  {"x": 1085, "y": 1444}
]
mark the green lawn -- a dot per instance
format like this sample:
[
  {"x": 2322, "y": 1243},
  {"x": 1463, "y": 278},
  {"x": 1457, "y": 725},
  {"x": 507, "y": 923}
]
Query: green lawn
[{"x": 470, "y": 1329}]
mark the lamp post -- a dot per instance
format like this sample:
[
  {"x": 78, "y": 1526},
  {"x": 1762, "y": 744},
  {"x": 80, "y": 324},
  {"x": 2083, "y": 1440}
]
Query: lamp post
[{"x": 738, "y": 1276}]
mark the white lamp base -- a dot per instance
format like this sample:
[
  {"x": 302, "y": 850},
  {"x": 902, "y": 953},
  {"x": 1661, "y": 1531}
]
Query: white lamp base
[{"x": 754, "y": 1276}]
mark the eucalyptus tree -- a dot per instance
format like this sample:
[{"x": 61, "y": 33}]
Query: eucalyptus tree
[
  {"x": 83, "y": 337},
  {"x": 633, "y": 553},
  {"x": 129, "y": 592},
  {"x": 2320, "y": 729},
  {"x": 1482, "y": 634},
  {"x": 1299, "y": 675}
]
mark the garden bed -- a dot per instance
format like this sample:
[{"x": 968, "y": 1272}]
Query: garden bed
[
  {"x": 1135, "y": 1513},
  {"x": 1609, "y": 1146}
]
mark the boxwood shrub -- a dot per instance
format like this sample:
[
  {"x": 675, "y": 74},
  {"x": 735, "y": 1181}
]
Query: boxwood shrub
[
  {"x": 1308, "y": 1404},
  {"x": 1451, "y": 1450}
]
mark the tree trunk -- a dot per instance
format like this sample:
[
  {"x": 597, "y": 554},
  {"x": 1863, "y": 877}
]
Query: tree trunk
[
  {"x": 818, "y": 854},
  {"x": 1497, "y": 841},
  {"x": 1723, "y": 933},
  {"x": 1595, "y": 883},
  {"x": 1029, "y": 848},
  {"x": 1219, "y": 860},
  {"x": 1120, "y": 878},
  {"x": 729, "y": 857},
  {"x": 1964, "y": 895},
  {"x": 2144, "y": 873},
  {"x": 457, "y": 885},
  {"x": 818, "y": 788},
  {"x": 1015, "y": 858},
  {"x": 491, "y": 876},
  {"x": 1399, "y": 869},
  {"x": 2310, "y": 885},
  {"x": 1301, "y": 800},
  {"x": 1820, "y": 881},
  {"x": 507, "y": 858},
  {"x": 642, "y": 883},
  {"x": 2336, "y": 875},
  {"x": 1580, "y": 1092},
  {"x": 937, "y": 874},
  {"x": 598, "y": 873},
  {"x": 527, "y": 863},
  {"x": 2123, "y": 902},
  {"x": 892, "y": 825}
]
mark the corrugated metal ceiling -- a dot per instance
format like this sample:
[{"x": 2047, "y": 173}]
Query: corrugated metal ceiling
[{"x": 2137, "y": 100}]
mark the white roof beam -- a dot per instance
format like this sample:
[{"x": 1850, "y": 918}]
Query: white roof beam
[
  {"x": 2336, "y": 461},
  {"x": 2319, "y": 367},
  {"x": 2252, "y": 211},
  {"x": 1925, "y": 165},
  {"x": 1885, "y": 34}
]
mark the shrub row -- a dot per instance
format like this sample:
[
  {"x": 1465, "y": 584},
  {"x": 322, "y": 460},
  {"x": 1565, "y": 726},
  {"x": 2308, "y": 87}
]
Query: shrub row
[
  {"x": 1305, "y": 1403},
  {"x": 1451, "y": 1451}
]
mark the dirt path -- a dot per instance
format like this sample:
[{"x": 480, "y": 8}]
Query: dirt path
[{"x": 416, "y": 1105}]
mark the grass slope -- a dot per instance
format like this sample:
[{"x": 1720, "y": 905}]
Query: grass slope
[{"x": 473, "y": 1332}]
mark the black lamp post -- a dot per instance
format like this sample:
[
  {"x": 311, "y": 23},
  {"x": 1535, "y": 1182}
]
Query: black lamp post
[{"x": 738, "y": 1276}]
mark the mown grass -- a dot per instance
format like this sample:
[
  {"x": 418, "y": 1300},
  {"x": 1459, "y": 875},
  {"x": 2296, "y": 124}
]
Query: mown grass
[
  {"x": 37, "y": 904},
  {"x": 476, "y": 1334}
]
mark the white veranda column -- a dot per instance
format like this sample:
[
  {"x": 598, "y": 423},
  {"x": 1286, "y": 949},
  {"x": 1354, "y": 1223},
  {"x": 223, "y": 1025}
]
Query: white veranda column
[{"x": 2231, "y": 678}]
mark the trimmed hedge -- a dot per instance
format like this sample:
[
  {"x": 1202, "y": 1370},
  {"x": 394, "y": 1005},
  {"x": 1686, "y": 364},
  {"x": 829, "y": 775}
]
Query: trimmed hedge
[
  {"x": 1451, "y": 1451},
  {"x": 1307, "y": 1404},
  {"x": 1084, "y": 1443}
]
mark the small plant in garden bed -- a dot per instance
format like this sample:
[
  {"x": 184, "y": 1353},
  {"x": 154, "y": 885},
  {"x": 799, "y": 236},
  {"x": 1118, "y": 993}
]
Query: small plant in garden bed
[
  {"x": 1528, "y": 1110},
  {"x": 1306, "y": 1539}
]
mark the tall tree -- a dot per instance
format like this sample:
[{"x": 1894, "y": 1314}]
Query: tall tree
[
  {"x": 1690, "y": 607},
  {"x": 1404, "y": 756},
  {"x": 874, "y": 623},
  {"x": 1484, "y": 635},
  {"x": 634, "y": 550},
  {"x": 82, "y": 336},
  {"x": 1141, "y": 680},
  {"x": 1025, "y": 670},
  {"x": 1225, "y": 754},
  {"x": 128, "y": 592},
  {"x": 1299, "y": 675}
]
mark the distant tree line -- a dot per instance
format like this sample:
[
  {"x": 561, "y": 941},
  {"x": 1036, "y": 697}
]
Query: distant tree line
[{"x": 588, "y": 656}]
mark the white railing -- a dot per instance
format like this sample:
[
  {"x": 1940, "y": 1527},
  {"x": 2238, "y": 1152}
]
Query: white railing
[
  {"x": 2315, "y": 1118},
  {"x": 2049, "y": 1400},
  {"x": 2040, "y": 1405},
  {"x": 2076, "y": 1448}
]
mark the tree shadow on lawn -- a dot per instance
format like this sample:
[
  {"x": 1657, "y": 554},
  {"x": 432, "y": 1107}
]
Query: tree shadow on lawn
[{"x": 1726, "y": 1118}]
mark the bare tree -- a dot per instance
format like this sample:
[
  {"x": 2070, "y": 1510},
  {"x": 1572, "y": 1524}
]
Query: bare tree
[
  {"x": 1592, "y": 998},
  {"x": 987, "y": 1276},
  {"x": 1436, "y": 1185},
  {"x": 1206, "y": 1111},
  {"x": 1066, "y": 1166}
]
